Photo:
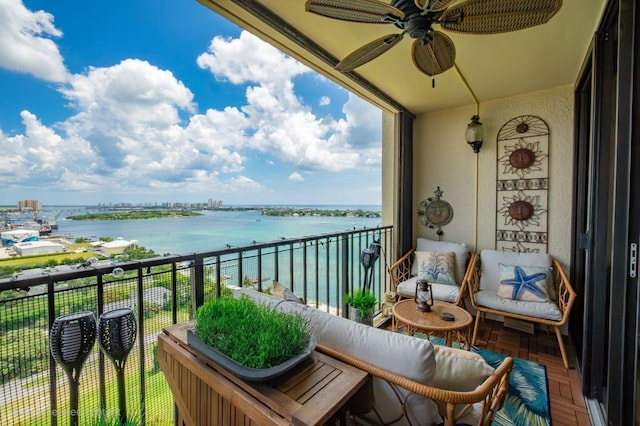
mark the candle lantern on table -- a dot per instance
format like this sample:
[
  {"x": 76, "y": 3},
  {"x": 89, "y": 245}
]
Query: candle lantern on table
[{"x": 423, "y": 296}]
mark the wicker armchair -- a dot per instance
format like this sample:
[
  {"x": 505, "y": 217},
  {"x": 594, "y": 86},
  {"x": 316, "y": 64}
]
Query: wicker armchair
[
  {"x": 401, "y": 271},
  {"x": 564, "y": 299},
  {"x": 452, "y": 405}
]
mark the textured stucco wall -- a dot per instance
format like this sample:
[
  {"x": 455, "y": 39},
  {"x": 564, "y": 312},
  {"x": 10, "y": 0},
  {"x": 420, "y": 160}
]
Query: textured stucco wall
[{"x": 442, "y": 158}]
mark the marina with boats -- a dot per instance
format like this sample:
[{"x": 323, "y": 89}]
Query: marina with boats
[{"x": 15, "y": 228}]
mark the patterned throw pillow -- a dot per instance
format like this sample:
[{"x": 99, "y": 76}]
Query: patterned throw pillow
[
  {"x": 526, "y": 283},
  {"x": 436, "y": 267}
]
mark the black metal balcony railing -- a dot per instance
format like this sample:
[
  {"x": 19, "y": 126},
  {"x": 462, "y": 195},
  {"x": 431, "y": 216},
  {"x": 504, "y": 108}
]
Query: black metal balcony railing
[{"x": 161, "y": 291}]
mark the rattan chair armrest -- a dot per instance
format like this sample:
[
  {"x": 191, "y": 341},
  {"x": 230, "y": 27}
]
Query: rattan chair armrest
[
  {"x": 401, "y": 269},
  {"x": 471, "y": 282},
  {"x": 491, "y": 392},
  {"x": 565, "y": 293}
]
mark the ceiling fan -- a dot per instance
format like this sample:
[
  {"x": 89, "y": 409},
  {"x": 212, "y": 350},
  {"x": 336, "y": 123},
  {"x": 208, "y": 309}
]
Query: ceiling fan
[{"x": 433, "y": 52}]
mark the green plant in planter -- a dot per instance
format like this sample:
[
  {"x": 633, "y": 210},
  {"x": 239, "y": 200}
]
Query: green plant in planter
[
  {"x": 363, "y": 301},
  {"x": 251, "y": 334}
]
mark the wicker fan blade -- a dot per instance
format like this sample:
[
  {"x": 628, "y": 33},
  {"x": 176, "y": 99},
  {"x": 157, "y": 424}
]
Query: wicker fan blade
[
  {"x": 435, "y": 57},
  {"x": 368, "y": 52},
  {"x": 498, "y": 16},
  {"x": 367, "y": 11},
  {"x": 434, "y": 5}
]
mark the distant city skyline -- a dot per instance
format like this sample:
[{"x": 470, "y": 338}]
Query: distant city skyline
[
  {"x": 220, "y": 204},
  {"x": 160, "y": 101}
]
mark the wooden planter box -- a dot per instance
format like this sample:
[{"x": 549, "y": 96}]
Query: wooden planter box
[{"x": 206, "y": 394}]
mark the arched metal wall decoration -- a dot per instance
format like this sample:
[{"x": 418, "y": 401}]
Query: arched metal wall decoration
[{"x": 522, "y": 185}]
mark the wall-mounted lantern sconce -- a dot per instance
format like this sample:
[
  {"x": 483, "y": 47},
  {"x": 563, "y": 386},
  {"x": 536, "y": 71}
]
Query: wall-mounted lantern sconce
[{"x": 474, "y": 133}]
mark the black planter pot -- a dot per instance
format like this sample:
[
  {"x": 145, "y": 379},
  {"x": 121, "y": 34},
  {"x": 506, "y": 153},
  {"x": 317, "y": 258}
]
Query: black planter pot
[{"x": 355, "y": 316}]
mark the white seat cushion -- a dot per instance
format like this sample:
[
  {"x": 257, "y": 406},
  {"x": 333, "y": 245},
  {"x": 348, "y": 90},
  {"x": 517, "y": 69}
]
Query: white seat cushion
[
  {"x": 545, "y": 310},
  {"x": 444, "y": 292},
  {"x": 461, "y": 253}
]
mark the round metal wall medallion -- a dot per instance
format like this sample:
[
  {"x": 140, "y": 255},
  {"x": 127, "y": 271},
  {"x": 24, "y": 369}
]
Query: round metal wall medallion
[
  {"x": 435, "y": 212},
  {"x": 438, "y": 213},
  {"x": 521, "y": 210},
  {"x": 522, "y": 128},
  {"x": 522, "y": 158}
]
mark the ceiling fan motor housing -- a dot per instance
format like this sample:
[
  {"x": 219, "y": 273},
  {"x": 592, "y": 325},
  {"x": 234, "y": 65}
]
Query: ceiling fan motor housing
[
  {"x": 416, "y": 23},
  {"x": 417, "y": 28}
]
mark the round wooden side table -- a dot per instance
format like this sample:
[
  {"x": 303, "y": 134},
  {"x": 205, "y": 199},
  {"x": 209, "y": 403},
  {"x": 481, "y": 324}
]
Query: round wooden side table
[{"x": 406, "y": 315}]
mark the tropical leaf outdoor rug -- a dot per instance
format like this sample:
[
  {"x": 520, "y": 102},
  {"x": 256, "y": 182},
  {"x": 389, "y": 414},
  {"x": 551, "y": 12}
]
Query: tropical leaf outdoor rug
[{"x": 527, "y": 401}]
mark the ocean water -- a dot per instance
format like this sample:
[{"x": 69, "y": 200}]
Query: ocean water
[{"x": 215, "y": 229}]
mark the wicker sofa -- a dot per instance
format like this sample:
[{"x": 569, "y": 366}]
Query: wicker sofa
[
  {"x": 404, "y": 272},
  {"x": 413, "y": 382},
  {"x": 483, "y": 283}
]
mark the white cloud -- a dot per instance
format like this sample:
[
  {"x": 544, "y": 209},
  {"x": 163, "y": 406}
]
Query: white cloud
[
  {"x": 128, "y": 134},
  {"x": 41, "y": 156},
  {"x": 280, "y": 123},
  {"x": 248, "y": 59},
  {"x": 296, "y": 177},
  {"x": 135, "y": 128},
  {"x": 132, "y": 92},
  {"x": 241, "y": 183},
  {"x": 24, "y": 46},
  {"x": 325, "y": 100},
  {"x": 130, "y": 114}
]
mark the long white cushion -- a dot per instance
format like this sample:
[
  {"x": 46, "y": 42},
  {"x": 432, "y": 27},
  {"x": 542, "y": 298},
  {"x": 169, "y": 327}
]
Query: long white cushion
[
  {"x": 545, "y": 310},
  {"x": 461, "y": 251},
  {"x": 407, "y": 356},
  {"x": 491, "y": 260},
  {"x": 444, "y": 292}
]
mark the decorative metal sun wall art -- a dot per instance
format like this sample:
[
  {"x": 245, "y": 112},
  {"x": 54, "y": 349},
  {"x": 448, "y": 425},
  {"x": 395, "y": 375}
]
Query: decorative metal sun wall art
[
  {"x": 435, "y": 212},
  {"x": 522, "y": 185}
]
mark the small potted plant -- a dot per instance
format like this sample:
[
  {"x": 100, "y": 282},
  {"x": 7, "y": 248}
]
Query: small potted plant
[
  {"x": 362, "y": 304},
  {"x": 253, "y": 341}
]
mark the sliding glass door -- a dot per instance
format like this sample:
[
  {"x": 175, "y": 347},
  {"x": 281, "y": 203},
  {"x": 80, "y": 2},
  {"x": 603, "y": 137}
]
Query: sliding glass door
[{"x": 604, "y": 325}]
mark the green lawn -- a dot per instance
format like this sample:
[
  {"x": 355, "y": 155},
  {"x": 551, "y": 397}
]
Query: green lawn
[
  {"x": 157, "y": 395},
  {"x": 23, "y": 261}
]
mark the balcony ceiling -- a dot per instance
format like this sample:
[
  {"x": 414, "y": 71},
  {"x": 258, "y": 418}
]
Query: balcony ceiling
[{"x": 495, "y": 66}]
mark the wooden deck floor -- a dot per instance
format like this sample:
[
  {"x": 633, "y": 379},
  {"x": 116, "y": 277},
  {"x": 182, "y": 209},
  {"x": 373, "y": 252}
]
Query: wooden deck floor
[{"x": 567, "y": 403}]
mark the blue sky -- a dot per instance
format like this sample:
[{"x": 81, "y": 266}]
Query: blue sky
[{"x": 154, "y": 101}]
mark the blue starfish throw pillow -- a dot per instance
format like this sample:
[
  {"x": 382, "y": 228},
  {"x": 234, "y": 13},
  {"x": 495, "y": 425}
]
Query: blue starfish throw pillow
[
  {"x": 526, "y": 283},
  {"x": 436, "y": 267}
]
